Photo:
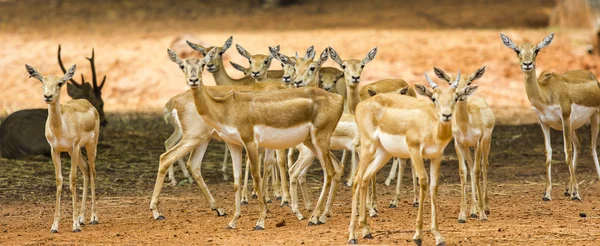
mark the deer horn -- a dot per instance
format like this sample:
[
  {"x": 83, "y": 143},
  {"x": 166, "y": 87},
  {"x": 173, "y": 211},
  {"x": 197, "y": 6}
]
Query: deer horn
[
  {"x": 431, "y": 83},
  {"x": 62, "y": 67},
  {"x": 455, "y": 83}
]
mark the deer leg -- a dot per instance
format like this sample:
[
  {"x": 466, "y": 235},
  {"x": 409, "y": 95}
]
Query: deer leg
[
  {"x": 91, "y": 150},
  {"x": 304, "y": 187},
  {"x": 167, "y": 159},
  {"x": 236, "y": 158},
  {"x": 75, "y": 155},
  {"x": 83, "y": 166},
  {"x": 380, "y": 159},
  {"x": 417, "y": 162},
  {"x": 225, "y": 162},
  {"x": 393, "y": 171},
  {"x": 372, "y": 202},
  {"x": 59, "y": 182},
  {"x": 466, "y": 151},
  {"x": 475, "y": 176},
  {"x": 435, "y": 174},
  {"x": 245, "y": 189},
  {"x": 484, "y": 171},
  {"x": 353, "y": 167},
  {"x": 463, "y": 172},
  {"x": 415, "y": 179},
  {"x": 319, "y": 146},
  {"x": 568, "y": 143},
  {"x": 267, "y": 172},
  {"x": 285, "y": 198},
  {"x": 305, "y": 160},
  {"x": 276, "y": 184},
  {"x": 252, "y": 151},
  {"x": 169, "y": 143},
  {"x": 194, "y": 164},
  {"x": 576, "y": 151},
  {"x": 337, "y": 177},
  {"x": 402, "y": 166},
  {"x": 548, "y": 191},
  {"x": 595, "y": 121}
]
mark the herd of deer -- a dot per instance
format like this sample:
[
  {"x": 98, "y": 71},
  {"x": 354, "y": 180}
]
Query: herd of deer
[{"x": 318, "y": 109}]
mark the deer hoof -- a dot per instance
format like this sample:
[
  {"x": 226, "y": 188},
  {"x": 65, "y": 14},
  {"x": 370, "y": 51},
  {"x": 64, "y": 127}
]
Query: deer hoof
[
  {"x": 462, "y": 221},
  {"x": 160, "y": 217},
  {"x": 368, "y": 236},
  {"x": 258, "y": 228},
  {"x": 418, "y": 242},
  {"x": 77, "y": 230},
  {"x": 95, "y": 222},
  {"x": 393, "y": 206},
  {"x": 53, "y": 231},
  {"x": 353, "y": 241}
]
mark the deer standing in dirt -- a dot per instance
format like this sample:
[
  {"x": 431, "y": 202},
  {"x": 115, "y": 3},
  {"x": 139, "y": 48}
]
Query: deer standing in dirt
[
  {"x": 70, "y": 126},
  {"x": 29, "y": 139},
  {"x": 405, "y": 127},
  {"x": 564, "y": 102}
]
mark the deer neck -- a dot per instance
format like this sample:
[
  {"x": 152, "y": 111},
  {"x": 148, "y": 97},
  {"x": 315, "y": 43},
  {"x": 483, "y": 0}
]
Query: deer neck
[
  {"x": 352, "y": 97},
  {"x": 444, "y": 131},
  {"x": 532, "y": 87},
  {"x": 461, "y": 115},
  {"x": 222, "y": 77},
  {"x": 206, "y": 105},
  {"x": 55, "y": 117}
]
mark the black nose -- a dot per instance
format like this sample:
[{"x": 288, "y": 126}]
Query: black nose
[
  {"x": 47, "y": 98},
  {"x": 255, "y": 73},
  {"x": 286, "y": 78},
  {"x": 356, "y": 77},
  {"x": 194, "y": 80},
  {"x": 527, "y": 63},
  {"x": 103, "y": 123},
  {"x": 447, "y": 115}
]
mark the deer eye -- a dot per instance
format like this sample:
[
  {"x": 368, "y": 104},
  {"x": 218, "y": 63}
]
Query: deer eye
[
  {"x": 433, "y": 99},
  {"x": 266, "y": 62},
  {"x": 312, "y": 69},
  {"x": 536, "y": 51},
  {"x": 362, "y": 66},
  {"x": 518, "y": 52},
  {"x": 221, "y": 53},
  {"x": 281, "y": 64},
  {"x": 181, "y": 66},
  {"x": 61, "y": 83},
  {"x": 343, "y": 66}
]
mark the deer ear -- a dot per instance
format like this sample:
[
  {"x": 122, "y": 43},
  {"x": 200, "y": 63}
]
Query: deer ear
[
  {"x": 547, "y": 40},
  {"x": 239, "y": 67},
  {"x": 507, "y": 42},
  {"x": 323, "y": 58},
  {"x": 197, "y": 47},
  {"x": 33, "y": 73},
  {"x": 227, "y": 44},
  {"x": 274, "y": 52},
  {"x": 441, "y": 74},
  {"x": 335, "y": 57},
  {"x": 69, "y": 74},
  {"x": 423, "y": 91},
  {"x": 174, "y": 58},
  {"x": 286, "y": 60},
  {"x": 371, "y": 92},
  {"x": 310, "y": 53},
  {"x": 370, "y": 56},
  {"x": 243, "y": 51},
  {"x": 404, "y": 91},
  {"x": 477, "y": 74},
  {"x": 467, "y": 91}
]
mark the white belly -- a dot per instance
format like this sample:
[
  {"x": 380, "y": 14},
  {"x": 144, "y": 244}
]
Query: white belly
[
  {"x": 229, "y": 135},
  {"x": 469, "y": 138},
  {"x": 552, "y": 115},
  {"x": 394, "y": 144},
  {"x": 281, "y": 138}
]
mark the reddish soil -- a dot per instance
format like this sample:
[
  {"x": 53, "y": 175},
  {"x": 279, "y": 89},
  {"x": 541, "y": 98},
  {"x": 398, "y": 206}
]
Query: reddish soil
[{"x": 130, "y": 38}]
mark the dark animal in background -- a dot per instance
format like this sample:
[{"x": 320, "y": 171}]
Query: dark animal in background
[{"x": 22, "y": 133}]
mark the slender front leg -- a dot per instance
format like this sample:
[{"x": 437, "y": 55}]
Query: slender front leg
[
  {"x": 548, "y": 191},
  {"x": 194, "y": 164},
  {"x": 380, "y": 159},
  {"x": 327, "y": 176},
  {"x": 402, "y": 166},
  {"x": 393, "y": 171},
  {"x": 245, "y": 189},
  {"x": 75, "y": 155},
  {"x": 337, "y": 178},
  {"x": 475, "y": 176},
  {"x": 169, "y": 143},
  {"x": 59, "y": 183},
  {"x": 462, "y": 170},
  {"x": 236, "y": 158},
  {"x": 471, "y": 166},
  {"x": 305, "y": 160},
  {"x": 435, "y": 174},
  {"x": 252, "y": 151},
  {"x": 576, "y": 151},
  {"x": 83, "y": 166},
  {"x": 568, "y": 143},
  {"x": 91, "y": 153},
  {"x": 224, "y": 165},
  {"x": 352, "y": 169},
  {"x": 417, "y": 162},
  {"x": 283, "y": 176},
  {"x": 415, "y": 202},
  {"x": 595, "y": 127},
  {"x": 167, "y": 159},
  {"x": 484, "y": 172}
]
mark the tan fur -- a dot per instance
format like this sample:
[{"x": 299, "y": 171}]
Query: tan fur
[
  {"x": 385, "y": 86},
  {"x": 236, "y": 116},
  {"x": 426, "y": 128},
  {"x": 472, "y": 127},
  {"x": 71, "y": 126},
  {"x": 556, "y": 98},
  {"x": 352, "y": 71}
]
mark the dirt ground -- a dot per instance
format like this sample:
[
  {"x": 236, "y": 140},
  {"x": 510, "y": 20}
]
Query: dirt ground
[{"x": 130, "y": 38}]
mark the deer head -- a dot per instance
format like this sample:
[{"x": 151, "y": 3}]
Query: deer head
[{"x": 83, "y": 90}]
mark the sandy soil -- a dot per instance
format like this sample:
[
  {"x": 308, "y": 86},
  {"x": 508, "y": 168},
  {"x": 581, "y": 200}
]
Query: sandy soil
[{"x": 126, "y": 169}]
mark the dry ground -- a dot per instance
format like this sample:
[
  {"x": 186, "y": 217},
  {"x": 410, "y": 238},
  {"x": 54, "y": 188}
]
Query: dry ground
[{"x": 130, "y": 38}]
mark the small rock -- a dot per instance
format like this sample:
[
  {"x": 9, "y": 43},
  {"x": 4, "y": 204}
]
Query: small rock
[
  {"x": 582, "y": 215},
  {"x": 210, "y": 240},
  {"x": 5, "y": 231},
  {"x": 280, "y": 223},
  {"x": 499, "y": 229},
  {"x": 118, "y": 234}
]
